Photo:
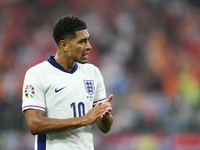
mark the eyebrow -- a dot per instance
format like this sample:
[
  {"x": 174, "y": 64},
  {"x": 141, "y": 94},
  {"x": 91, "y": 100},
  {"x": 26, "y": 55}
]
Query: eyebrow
[{"x": 84, "y": 39}]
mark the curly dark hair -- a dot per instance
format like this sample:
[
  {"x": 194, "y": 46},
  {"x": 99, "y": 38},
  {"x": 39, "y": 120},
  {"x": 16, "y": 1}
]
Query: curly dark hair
[{"x": 66, "y": 27}]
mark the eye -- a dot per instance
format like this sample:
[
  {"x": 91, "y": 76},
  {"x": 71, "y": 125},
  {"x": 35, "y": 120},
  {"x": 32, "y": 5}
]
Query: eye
[{"x": 82, "y": 41}]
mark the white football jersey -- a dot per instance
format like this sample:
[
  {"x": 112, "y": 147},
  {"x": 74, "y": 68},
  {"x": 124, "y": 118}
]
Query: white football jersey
[{"x": 62, "y": 94}]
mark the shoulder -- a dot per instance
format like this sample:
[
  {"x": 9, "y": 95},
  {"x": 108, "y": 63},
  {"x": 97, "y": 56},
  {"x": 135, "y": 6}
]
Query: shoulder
[
  {"x": 88, "y": 68},
  {"x": 37, "y": 68}
]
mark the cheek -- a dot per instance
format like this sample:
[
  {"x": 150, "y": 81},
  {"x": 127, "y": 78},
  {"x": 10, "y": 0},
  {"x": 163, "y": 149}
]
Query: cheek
[
  {"x": 79, "y": 50},
  {"x": 74, "y": 50}
]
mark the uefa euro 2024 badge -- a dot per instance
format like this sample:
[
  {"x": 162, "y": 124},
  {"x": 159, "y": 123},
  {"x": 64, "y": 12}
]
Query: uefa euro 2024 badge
[{"x": 29, "y": 91}]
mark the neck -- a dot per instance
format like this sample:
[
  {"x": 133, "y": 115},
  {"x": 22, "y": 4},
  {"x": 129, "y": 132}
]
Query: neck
[{"x": 62, "y": 60}]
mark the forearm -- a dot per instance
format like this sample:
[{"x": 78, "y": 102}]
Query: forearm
[
  {"x": 38, "y": 124},
  {"x": 48, "y": 125},
  {"x": 105, "y": 123}
]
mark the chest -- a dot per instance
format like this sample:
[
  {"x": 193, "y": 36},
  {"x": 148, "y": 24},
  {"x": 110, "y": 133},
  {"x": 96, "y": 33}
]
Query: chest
[{"x": 69, "y": 95}]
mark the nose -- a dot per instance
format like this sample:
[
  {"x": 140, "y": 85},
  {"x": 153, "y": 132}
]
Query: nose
[{"x": 88, "y": 46}]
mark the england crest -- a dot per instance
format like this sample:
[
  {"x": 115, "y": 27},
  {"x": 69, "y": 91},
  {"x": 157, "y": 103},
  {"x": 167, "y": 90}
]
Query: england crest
[{"x": 89, "y": 86}]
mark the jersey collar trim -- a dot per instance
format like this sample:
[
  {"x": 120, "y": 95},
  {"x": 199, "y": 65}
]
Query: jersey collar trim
[{"x": 52, "y": 61}]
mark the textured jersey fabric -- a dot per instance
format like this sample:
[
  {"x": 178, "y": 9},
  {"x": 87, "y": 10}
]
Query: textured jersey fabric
[{"x": 62, "y": 94}]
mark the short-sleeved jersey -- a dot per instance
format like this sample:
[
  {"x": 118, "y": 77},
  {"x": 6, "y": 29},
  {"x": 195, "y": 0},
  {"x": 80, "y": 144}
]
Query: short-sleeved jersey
[{"x": 62, "y": 94}]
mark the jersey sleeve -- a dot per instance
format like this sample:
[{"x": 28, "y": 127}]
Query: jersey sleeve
[
  {"x": 32, "y": 92},
  {"x": 100, "y": 94}
]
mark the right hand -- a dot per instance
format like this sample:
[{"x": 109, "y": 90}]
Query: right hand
[{"x": 96, "y": 112}]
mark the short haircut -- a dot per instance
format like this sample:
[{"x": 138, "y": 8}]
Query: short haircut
[{"x": 66, "y": 27}]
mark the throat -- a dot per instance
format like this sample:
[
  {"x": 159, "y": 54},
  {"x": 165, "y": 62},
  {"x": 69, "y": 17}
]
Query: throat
[{"x": 68, "y": 66}]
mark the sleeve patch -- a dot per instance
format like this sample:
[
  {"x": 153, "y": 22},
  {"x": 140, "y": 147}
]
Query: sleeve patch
[{"x": 29, "y": 91}]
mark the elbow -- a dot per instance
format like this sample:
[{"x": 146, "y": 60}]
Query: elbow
[
  {"x": 34, "y": 121},
  {"x": 34, "y": 132},
  {"x": 106, "y": 130},
  {"x": 33, "y": 129}
]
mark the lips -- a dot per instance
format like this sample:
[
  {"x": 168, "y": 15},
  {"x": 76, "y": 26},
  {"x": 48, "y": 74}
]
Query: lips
[{"x": 85, "y": 56}]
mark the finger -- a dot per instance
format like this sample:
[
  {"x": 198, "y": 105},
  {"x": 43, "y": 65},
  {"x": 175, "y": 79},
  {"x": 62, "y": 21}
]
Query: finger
[
  {"x": 103, "y": 114},
  {"x": 98, "y": 103},
  {"x": 109, "y": 99},
  {"x": 107, "y": 110}
]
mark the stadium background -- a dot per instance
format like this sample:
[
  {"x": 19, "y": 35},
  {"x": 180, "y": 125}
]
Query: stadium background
[{"x": 147, "y": 50}]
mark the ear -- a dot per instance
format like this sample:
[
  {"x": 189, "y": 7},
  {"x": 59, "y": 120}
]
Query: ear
[{"x": 63, "y": 45}]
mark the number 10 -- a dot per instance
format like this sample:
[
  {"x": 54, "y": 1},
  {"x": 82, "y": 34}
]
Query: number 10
[{"x": 81, "y": 109}]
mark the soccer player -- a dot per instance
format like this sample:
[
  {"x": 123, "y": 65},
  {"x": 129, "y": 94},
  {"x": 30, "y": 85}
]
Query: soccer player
[{"x": 64, "y": 95}]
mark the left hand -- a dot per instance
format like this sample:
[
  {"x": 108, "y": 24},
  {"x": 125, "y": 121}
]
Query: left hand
[{"x": 109, "y": 107}]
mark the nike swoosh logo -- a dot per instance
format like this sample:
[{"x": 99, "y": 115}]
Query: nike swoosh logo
[{"x": 59, "y": 89}]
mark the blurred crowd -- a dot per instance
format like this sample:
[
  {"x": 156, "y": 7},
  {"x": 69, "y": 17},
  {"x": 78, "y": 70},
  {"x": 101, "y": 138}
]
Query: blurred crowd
[{"x": 147, "y": 50}]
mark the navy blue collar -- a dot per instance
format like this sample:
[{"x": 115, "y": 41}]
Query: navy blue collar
[{"x": 52, "y": 61}]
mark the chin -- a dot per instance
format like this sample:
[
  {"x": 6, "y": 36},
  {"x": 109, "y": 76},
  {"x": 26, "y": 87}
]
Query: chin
[{"x": 82, "y": 62}]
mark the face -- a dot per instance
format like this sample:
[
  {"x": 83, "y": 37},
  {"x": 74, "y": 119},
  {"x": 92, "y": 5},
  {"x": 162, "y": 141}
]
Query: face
[{"x": 79, "y": 47}]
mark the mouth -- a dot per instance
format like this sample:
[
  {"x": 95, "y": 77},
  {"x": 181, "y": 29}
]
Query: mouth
[{"x": 85, "y": 56}]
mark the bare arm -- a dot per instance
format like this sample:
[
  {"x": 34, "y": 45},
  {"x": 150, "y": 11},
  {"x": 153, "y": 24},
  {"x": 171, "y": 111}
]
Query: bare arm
[
  {"x": 105, "y": 123},
  {"x": 38, "y": 123}
]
